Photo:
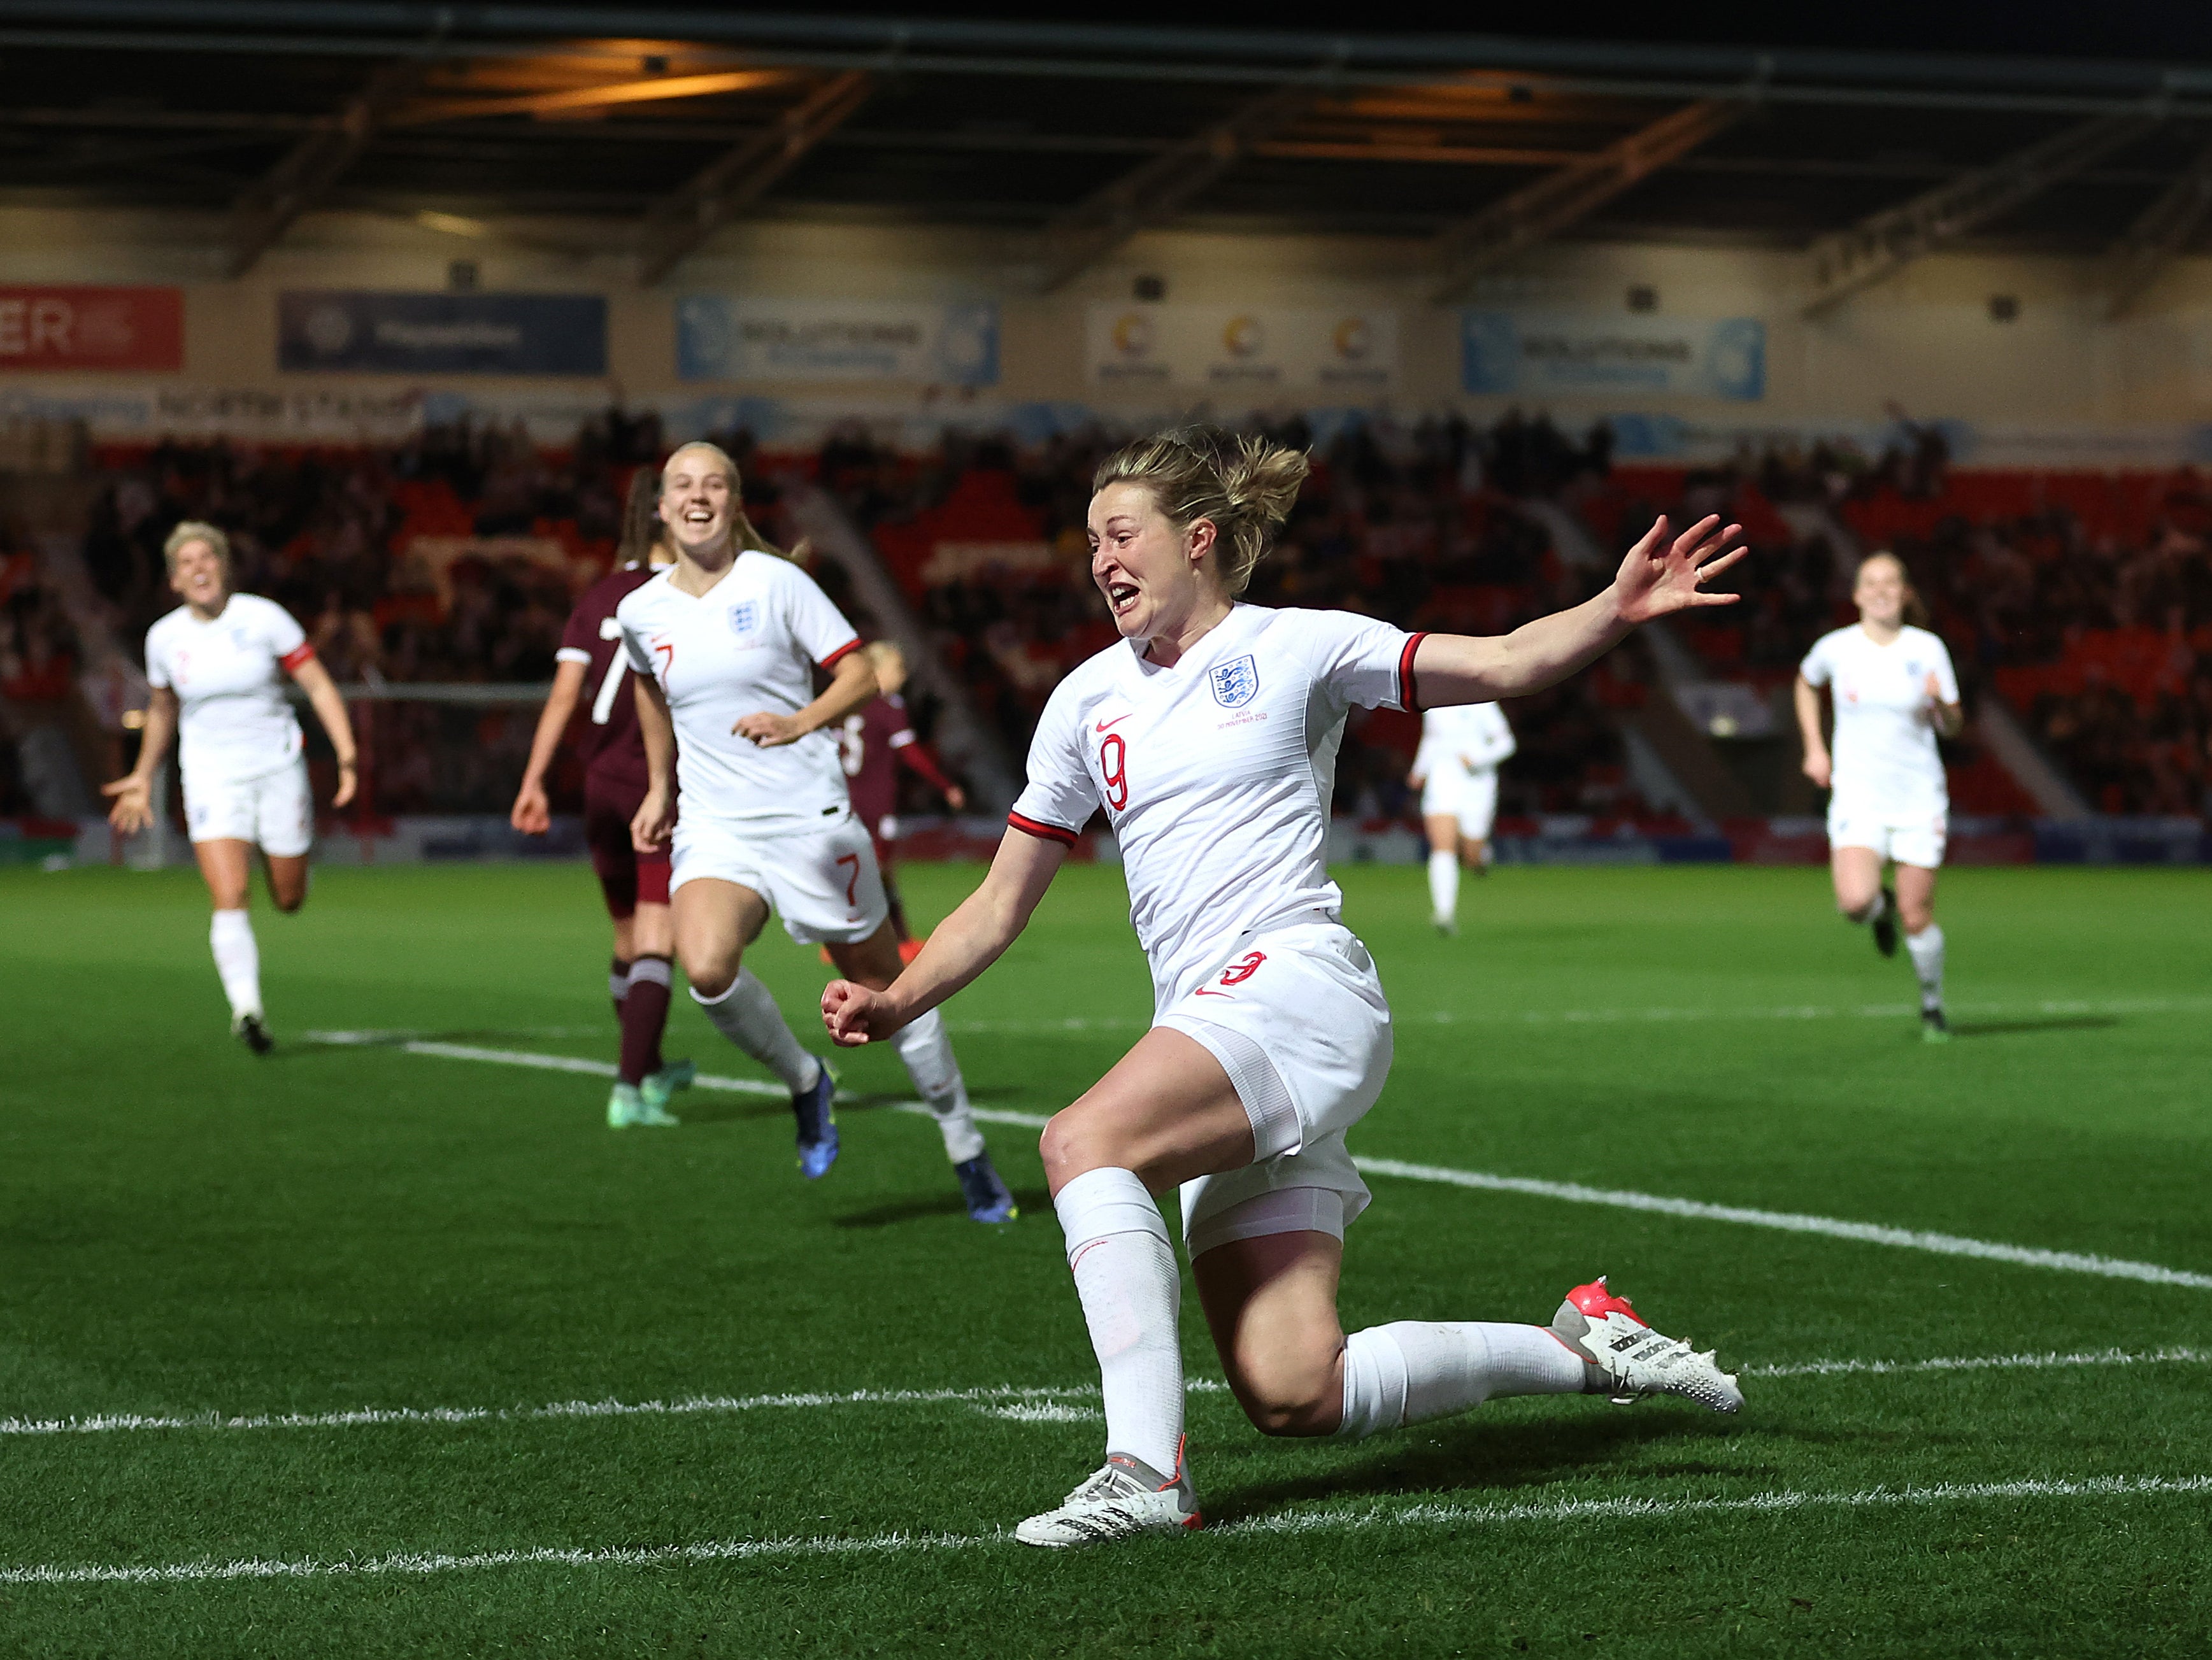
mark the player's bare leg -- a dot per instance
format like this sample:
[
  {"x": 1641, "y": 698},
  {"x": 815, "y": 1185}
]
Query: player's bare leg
[
  {"x": 1165, "y": 1112},
  {"x": 1923, "y": 943},
  {"x": 926, "y": 1051},
  {"x": 1860, "y": 896},
  {"x": 1443, "y": 829},
  {"x": 714, "y": 922},
  {"x": 227, "y": 866},
  {"x": 1474, "y": 854}
]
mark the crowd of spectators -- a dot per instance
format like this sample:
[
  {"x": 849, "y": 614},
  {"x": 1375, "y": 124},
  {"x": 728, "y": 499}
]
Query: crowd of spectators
[{"x": 453, "y": 556}]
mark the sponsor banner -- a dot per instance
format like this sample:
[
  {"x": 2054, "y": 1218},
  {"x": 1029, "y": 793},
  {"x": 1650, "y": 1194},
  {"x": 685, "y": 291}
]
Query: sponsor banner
[
  {"x": 741, "y": 337},
  {"x": 80, "y": 328},
  {"x": 1231, "y": 348},
  {"x": 393, "y": 333},
  {"x": 1559, "y": 353}
]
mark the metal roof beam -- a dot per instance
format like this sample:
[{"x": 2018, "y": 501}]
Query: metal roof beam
[
  {"x": 1883, "y": 244},
  {"x": 1539, "y": 211},
  {"x": 2160, "y": 233},
  {"x": 1155, "y": 191},
  {"x": 265, "y": 211},
  {"x": 677, "y": 223}
]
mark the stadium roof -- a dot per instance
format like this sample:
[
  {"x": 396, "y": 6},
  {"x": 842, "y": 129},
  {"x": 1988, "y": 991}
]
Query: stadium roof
[{"x": 675, "y": 121}]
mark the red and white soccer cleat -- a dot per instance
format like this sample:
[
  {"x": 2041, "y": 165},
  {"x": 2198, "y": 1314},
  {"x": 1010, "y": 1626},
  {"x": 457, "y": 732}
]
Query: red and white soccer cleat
[
  {"x": 1126, "y": 1497},
  {"x": 1630, "y": 1359}
]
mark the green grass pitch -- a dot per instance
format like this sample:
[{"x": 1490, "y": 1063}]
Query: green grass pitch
[{"x": 186, "y": 1231}]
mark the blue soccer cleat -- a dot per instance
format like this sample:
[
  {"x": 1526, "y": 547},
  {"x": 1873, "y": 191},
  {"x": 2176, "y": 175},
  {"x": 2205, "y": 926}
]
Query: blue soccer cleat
[
  {"x": 817, "y": 1126},
  {"x": 988, "y": 1200}
]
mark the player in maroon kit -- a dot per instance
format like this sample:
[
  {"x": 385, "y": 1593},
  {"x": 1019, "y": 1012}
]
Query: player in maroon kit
[
  {"x": 591, "y": 663},
  {"x": 872, "y": 743}
]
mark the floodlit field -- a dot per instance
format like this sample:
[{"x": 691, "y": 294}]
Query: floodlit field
[{"x": 367, "y": 1349}]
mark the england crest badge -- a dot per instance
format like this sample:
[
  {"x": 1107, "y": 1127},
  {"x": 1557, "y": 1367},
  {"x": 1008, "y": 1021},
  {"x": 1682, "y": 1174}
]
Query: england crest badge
[
  {"x": 1235, "y": 682},
  {"x": 744, "y": 616}
]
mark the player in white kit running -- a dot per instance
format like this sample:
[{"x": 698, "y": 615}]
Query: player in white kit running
[
  {"x": 1209, "y": 735},
  {"x": 725, "y": 644},
  {"x": 217, "y": 664},
  {"x": 1455, "y": 769},
  {"x": 1894, "y": 691}
]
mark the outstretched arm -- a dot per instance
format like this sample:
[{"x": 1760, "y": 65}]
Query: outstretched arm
[
  {"x": 959, "y": 948},
  {"x": 330, "y": 709},
  {"x": 133, "y": 792},
  {"x": 1657, "y": 577},
  {"x": 532, "y": 814}
]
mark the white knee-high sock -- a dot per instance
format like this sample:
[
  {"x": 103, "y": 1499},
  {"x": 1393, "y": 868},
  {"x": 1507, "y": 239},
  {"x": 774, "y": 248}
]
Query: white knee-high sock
[
  {"x": 1443, "y": 885},
  {"x": 927, "y": 1052},
  {"x": 1926, "y": 951},
  {"x": 237, "y": 959},
  {"x": 1125, "y": 1274},
  {"x": 1413, "y": 1370},
  {"x": 747, "y": 1015}
]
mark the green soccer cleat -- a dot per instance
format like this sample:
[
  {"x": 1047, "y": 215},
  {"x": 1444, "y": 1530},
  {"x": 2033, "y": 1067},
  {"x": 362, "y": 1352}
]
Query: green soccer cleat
[
  {"x": 657, "y": 1087},
  {"x": 628, "y": 1108}
]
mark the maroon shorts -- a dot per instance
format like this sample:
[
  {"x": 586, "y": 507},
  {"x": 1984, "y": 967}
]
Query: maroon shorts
[{"x": 628, "y": 878}]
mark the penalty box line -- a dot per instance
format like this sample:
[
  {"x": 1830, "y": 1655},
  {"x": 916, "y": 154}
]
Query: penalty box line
[
  {"x": 1833, "y": 1227},
  {"x": 1021, "y": 1403},
  {"x": 1335, "y": 1519}
]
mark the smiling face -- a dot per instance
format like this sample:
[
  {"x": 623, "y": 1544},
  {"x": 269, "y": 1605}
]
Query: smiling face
[
  {"x": 1151, "y": 571},
  {"x": 1880, "y": 593},
  {"x": 699, "y": 503},
  {"x": 197, "y": 573}
]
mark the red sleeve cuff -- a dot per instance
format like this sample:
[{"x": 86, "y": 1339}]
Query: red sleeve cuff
[
  {"x": 1042, "y": 831},
  {"x": 1409, "y": 694},
  {"x": 299, "y": 654},
  {"x": 841, "y": 652}
]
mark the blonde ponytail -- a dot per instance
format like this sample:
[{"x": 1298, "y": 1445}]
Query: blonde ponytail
[{"x": 1245, "y": 486}]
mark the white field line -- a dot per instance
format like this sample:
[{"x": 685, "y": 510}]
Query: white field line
[
  {"x": 1338, "y": 1520},
  {"x": 1021, "y": 1403},
  {"x": 1880, "y": 1011},
  {"x": 2049, "y": 1361},
  {"x": 1943, "y": 1244}
]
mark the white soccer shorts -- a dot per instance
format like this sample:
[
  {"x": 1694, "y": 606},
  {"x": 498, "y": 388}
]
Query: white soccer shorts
[
  {"x": 1912, "y": 841},
  {"x": 824, "y": 883},
  {"x": 276, "y": 811},
  {"x": 1296, "y": 1017},
  {"x": 1470, "y": 798}
]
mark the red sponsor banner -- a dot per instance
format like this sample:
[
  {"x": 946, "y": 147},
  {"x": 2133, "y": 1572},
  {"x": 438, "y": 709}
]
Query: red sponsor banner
[{"x": 78, "y": 328}]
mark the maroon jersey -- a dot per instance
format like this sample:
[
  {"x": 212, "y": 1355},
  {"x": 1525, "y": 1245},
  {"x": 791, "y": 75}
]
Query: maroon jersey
[
  {"x": 605, "y": 730},
  {"x": 870, "y": 742}
]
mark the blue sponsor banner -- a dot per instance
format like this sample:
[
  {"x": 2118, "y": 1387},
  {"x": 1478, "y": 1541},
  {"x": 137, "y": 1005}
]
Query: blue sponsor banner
[
  {"x": 746, "y": 337},
  {"x": 392, "y": 333},
  {"x": 1534, "y": 353}
]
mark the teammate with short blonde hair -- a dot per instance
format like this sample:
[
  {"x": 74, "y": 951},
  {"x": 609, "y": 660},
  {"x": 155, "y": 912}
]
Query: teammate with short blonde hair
[
  {"x": 1208, "y": 735},
  {"x": 1895, "y": 693},
  {"x": 725, "y": 644},
  {"x": 216, "y": 665},
  {"x": 1455, "y": 769}
]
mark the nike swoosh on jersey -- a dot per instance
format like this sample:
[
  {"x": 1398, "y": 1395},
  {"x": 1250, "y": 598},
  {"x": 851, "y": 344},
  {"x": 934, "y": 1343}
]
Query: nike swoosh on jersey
[
  {"x": 1116, "y": 721},
  {"x": 1208, "y": 992}
]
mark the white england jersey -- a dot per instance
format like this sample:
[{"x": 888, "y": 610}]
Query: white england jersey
[
  {"x": 228, "y": 677},
  {"x": 1471, "y": 737},
  {"x": 748, "y": 646},
  {"x": 1886, "y": 763},
  {"x": 1215, "y": 774}
]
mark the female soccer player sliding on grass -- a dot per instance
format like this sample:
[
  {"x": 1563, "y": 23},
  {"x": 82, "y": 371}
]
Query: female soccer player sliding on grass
[
  {"x": 725, "y": 644},
  {"x": 634, "y": 885},
  {"x": 1894, "y": 691},
  {"x": 1209, "y": 735},
  {"x": 217, "y": 664}
]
